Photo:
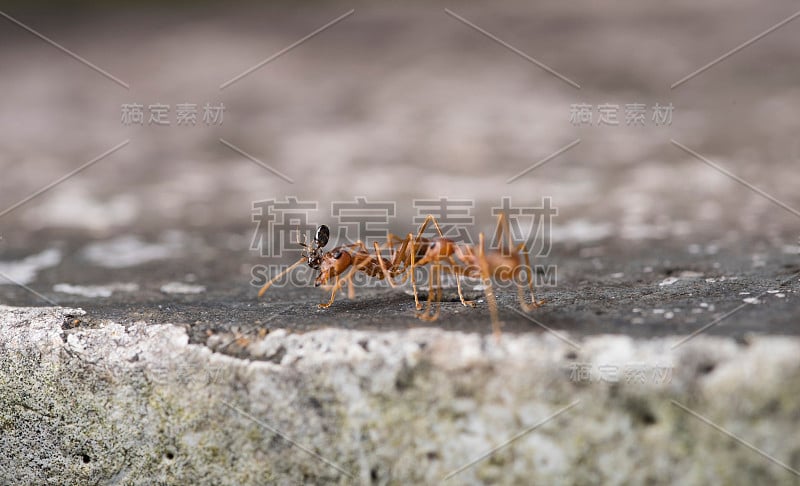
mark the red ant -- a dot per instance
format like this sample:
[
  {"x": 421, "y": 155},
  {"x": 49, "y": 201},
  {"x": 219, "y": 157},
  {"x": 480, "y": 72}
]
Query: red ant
[{"x": 443, "y": 254}]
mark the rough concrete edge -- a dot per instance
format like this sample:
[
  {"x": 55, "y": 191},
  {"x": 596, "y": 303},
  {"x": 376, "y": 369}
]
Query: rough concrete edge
[{"x": 355, "y": 367}]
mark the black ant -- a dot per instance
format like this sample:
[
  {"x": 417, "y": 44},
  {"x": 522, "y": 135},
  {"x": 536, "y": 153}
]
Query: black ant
[{"x": 314, "y": 253}]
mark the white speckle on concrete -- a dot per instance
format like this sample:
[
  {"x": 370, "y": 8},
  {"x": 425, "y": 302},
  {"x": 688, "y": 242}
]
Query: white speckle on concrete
[
  {"x": 658, "y": 311},
  {"x": 759, "y": 260},
  {"x": 780, "y": 295},
  {"x": 751, "y": 300},
  {"x": 127, "y": 251},
  {"x": 24, "y": 271},
  {"x": 668, "y": 281},
  {"x": 580, "y": 230},
  {"x": 617, "y": 275},
  {"x": 791, "y": 249},
  {"x": 690, "y": 274},
  {"x": 75, "y": 207},
  {"x": 95, "y": 290},
  {"x": 182, "y": 288}
]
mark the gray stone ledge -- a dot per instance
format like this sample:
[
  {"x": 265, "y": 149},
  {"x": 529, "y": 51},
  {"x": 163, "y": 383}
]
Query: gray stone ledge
[{"x": 138, "y": 404}]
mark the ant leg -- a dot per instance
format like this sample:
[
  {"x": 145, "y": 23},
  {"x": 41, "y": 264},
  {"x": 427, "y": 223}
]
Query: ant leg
[
  {"x": 423, "y": 315},
  {"x": 531, "y": 283},
  {"x": 351, "y": 291},
  {"x": 391, "y": 241},
  {"x": 438, "y": 291},
  {"x": 403, "y": 258},
  {"x": 413, "y": 280},
  {"x": 504, "y": 228},
  {"x": 275, "y": 278},
  {"x": 390, "y": 245},
  {"x": 386, "y": 274},
  {"x": 457, "y": 274},
  {"x": 428, "y": 304},
  {"x": 487, "y": 281},
  {"x": 398, "y": 256},
  {"x": 336, "y": 286},
  {"x": 429, "y": 219},
  {"x": 527, "y": 306},
  {"x": 434, "y": 289}
]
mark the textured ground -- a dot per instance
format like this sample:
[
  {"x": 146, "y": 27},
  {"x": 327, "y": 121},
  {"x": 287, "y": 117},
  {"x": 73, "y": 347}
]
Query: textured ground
[{"x": 641, "y": 294}]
